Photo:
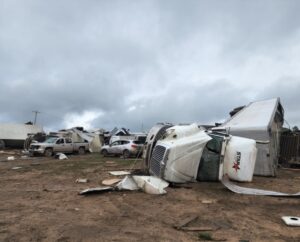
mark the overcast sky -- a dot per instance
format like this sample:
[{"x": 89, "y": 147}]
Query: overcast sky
[{"x": 133, "y": 63}]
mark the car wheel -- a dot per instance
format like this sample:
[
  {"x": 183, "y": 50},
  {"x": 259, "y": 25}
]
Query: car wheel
[
  {"x": 48, "y": 152},
  {"x": 104, "y": 152},
  {"x": 81, "y": 151},
  {"x": 126, "y": 154}
]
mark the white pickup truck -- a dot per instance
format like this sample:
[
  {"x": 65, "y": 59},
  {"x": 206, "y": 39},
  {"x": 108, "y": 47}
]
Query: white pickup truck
[
  {"x": 187, "y": 153},
  {"x": 54, "y": 145}
]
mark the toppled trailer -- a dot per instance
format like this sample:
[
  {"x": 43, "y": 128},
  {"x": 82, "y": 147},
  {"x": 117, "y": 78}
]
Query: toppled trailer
[
  {"x": 261, "y": 121},
  {"x": 186, "y": 153},
  {"x": 14, "y": 135}
]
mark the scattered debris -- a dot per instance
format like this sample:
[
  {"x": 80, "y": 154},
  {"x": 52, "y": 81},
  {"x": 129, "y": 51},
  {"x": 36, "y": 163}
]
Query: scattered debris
[
  {"x": 25, "y": 157},
  {"x": 127, "y": 184},
  {"x": 119, "y": 173},
  {"x": 96, "y": 190},
  {"x": 25, "y": 152},
  {"x": 76, "y": 209},
  {"x": 16, "y": 168},
  {"x": 186, "y": 221},
  {"x": 110, "y": 165},
  {"x": 109, "y": 182},
  {"x": 208, "y": 237},
  {"x": 11, "y": 158},
  {"x": 110, "y": 162},
  {"x": 61, "y": 156},
  {"x": 150, "y": 184},
  {"x": 291, "y": 221},
  {"x": 198, "y": 228},
  {"x": 208, "y": 201},
  {"x": 82, "y": 180},
  {"x": 252, "y": 191}
]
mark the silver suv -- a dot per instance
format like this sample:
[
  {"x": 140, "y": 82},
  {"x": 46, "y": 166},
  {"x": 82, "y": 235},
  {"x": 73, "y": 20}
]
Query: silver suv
[{"x": 126, "y": 148}]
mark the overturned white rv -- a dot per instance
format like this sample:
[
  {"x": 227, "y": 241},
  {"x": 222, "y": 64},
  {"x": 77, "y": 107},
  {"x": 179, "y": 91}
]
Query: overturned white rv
[
  {"x": 14, "y": 135},
  {"x": 261, "y": 121},
  {"x": 185, "y": 153}
]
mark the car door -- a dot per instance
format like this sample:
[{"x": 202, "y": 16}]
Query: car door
[
  {"x": 114, "y": 147},
  {"x": 59, "y": 145},
  {"x": 125, "y": 145},
  {"x": 119, "y": 147},
  {"x": 68, "y": 146}
]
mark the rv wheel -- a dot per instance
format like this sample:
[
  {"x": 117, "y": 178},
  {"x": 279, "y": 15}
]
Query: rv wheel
[{"x": 2, "y": 144}]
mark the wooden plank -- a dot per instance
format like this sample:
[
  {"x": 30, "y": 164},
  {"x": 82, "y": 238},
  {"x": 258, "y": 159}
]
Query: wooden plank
[{"x": 186, "y": 221}]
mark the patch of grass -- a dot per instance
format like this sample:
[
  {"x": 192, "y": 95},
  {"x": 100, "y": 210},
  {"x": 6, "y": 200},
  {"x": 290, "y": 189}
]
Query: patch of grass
[{"x": 205, "y": 236}]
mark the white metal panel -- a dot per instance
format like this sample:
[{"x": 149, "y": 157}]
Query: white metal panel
[
  {"x": 256, "y": 116},
  {"x": 18, "y": 131}
]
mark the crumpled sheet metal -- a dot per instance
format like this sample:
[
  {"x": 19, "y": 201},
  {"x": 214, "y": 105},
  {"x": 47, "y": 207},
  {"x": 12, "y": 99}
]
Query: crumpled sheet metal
[
  {"x": 252, "y": 191},
  {"x": 127, "y": 184},
  {"x": 96, "y": 190},
  {"x": 148, "y": 184}
]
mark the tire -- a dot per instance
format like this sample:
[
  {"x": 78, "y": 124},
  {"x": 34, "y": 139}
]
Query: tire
[
  {"x": 81, "y": 151},
  {"x": 2, "y": 144},
  {"x": 126, "y": 154},
  {"x": 104, "y": 153},
  {"x": 48, "y": 152}
]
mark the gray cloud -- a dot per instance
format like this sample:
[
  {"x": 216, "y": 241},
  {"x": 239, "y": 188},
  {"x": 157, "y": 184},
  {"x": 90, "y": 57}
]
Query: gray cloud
[{"x": 140, "y": 62}]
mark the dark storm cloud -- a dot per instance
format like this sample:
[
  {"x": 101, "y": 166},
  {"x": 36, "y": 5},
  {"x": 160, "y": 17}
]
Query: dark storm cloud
[{"x": 135, "y": 63}]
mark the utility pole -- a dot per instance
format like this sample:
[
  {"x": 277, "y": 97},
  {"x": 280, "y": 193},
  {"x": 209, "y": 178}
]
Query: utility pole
[{"x": 35, "y": 116}]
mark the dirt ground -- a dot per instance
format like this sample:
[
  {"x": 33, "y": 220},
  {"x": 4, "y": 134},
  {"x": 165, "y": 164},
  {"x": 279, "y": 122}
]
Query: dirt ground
[{"x": 40, "y": 202}]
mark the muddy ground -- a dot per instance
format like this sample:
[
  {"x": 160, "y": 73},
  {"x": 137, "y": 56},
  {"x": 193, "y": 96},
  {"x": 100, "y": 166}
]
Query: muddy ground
[{"x": 40, "y": 202}]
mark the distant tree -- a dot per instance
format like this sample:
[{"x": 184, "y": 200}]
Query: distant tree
[{"x": 295, "y": 129}]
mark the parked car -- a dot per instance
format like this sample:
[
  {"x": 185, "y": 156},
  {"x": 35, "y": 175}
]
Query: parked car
[
  {"x": 126, "y": 148},
  {"x": 55, "y": 144}
]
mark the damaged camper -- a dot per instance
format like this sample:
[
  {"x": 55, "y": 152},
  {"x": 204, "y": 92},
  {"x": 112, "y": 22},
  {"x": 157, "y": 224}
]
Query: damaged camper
[
  {"x": 14, "y": 135},
  {"x": 261, "y": 121},
  {"x": 187, "y": 153}
]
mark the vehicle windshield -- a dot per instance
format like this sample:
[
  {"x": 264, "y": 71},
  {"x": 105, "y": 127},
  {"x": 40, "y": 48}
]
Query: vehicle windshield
[{"x": 51, "y": 140}]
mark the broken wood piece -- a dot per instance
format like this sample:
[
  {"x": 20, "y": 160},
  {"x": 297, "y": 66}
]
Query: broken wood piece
[
  {"x": 82, "y": 180},
  {"x": 198, "y": 228},
  {"x": 96, "y": 190},
  {"x": 109, "y": 182},
  {"x": 119, "y": 173},
  {"x": 186, "y": 221}
]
